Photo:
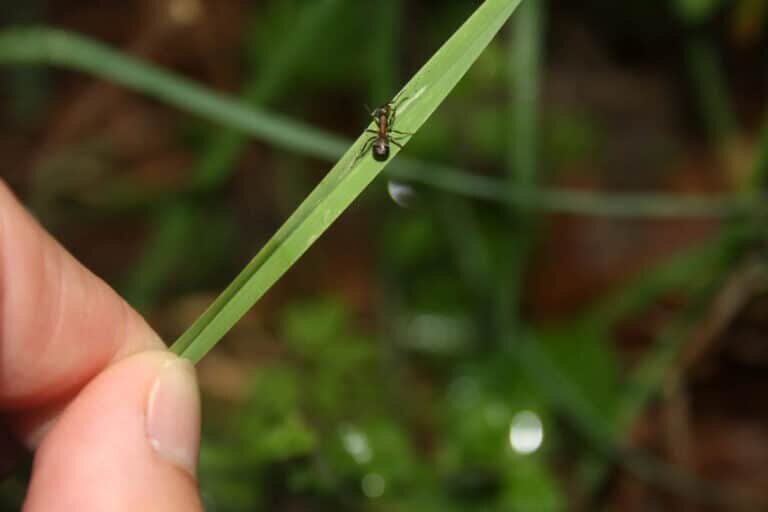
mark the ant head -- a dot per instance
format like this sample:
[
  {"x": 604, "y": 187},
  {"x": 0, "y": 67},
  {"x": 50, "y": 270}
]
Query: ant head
[
  {"x": 381, "y": 150},
  {"x": 378, "y": 112}
]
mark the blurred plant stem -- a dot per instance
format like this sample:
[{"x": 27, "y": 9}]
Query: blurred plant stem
[
  {"x": 171, "y": 230},
  {"x": 711, "y": 309},
  {"x": 759, "y": 175},
  {"x": 55, "y": 47},
  {"x": 127, "y": 196},
  {"x": 714, "y": 100},
  {"x": 220, "y": 155},
  {"x": 468, "y": 245},
  {"x": 703, "y": 268},
  {"x": 679, "y": 271},
  {"x": 29, "y": 88},
  {"x": 385, "y": 50},
  {"x": 525, "y": 56},
  {"x": 711, "y": 90}
]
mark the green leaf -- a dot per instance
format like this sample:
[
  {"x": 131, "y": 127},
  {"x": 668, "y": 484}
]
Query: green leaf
[{"x": 348, "y": 178}]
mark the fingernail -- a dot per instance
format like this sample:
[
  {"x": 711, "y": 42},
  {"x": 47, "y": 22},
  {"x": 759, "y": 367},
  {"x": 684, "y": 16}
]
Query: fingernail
[{"x": 173, "y": 415}]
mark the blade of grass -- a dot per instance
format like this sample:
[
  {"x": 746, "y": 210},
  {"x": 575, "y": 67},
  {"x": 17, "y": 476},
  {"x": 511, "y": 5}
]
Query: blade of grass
[
  {"x": 711, "y": 89},
  {"x": 525, "y": 52},
  {"x": 678, "y": 271},
  {"x": 41, "y": 45},
  {"x": 618, "y": 205},
  {"x": 385, "y": 48},
  {"x": 525, "y": 55},
  {"x": 72, "y": 51},
  {"x": 348, "y": 178}
]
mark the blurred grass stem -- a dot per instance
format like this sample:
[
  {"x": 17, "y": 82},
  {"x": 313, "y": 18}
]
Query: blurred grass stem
[
  {"x": 525, "y": 55},
  {"x": 49, "y": 46}
]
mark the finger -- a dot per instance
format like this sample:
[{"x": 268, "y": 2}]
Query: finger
[
  {"x": 128, "y": 442},
  {"x": 59, "y": 324}
]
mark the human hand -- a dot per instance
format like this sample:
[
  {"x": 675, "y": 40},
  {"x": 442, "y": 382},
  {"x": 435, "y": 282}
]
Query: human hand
[{"x": 113, "y": 416}]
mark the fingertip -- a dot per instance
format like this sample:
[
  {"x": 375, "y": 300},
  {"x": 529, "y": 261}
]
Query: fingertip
[
  {"x": 129, "y": 441},
  {"x": 174, "y": 396}
]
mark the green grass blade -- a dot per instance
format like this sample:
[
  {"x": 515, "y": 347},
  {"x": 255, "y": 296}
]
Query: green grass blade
[
  {"x": 348, "y": 178},
  {"x": 72, "y": 51},
  {"x": 526, "y": 59},
  {"x": 385, "y": 43}
]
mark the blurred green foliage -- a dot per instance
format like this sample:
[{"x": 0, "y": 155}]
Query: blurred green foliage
[
  {"x": 329, "y": 425},
  {"x": 315, "y": 424},
  {"x": 416, "y": 408},
  {"x": 693, "y": 11}
]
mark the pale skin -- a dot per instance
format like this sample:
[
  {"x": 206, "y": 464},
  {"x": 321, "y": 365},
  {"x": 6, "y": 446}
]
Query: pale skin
[{"x": 113, "y": 417}]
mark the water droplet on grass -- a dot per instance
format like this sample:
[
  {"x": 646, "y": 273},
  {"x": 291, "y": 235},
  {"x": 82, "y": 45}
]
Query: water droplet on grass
[{"x": 403, "y": 194}]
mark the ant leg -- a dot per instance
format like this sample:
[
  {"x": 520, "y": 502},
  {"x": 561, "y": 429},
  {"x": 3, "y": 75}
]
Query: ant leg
[
  {"x": 366, "y": 146},
  {"x": 393, "y": 110},
  {"x": 398, "y": 132},
  {"x": 397, "y": 101},
  {"x": 397, "y": 137},
  {"x": 393, "y": 141},
  {"x": 373, "y": 113},
  {"x": 372, "y": 131}
]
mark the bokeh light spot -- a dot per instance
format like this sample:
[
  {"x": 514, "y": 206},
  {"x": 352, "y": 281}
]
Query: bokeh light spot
[
  {"x": 526, "y": 432},
  {"x": 357, "y": 445},
  {"x": 373, "y": 485}
]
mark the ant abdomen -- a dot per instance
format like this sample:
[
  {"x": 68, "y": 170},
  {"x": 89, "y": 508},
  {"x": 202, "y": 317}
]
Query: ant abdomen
[{"x": 381, "y": 149}]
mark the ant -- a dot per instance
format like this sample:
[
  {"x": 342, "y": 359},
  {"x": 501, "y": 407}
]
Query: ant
[{"x": 385, "y": 134}]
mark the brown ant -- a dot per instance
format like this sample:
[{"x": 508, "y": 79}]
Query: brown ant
[{"x": 385, "y": 134}]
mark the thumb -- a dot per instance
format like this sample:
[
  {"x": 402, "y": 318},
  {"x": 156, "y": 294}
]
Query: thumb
[{"x": 129, "y": 441}]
